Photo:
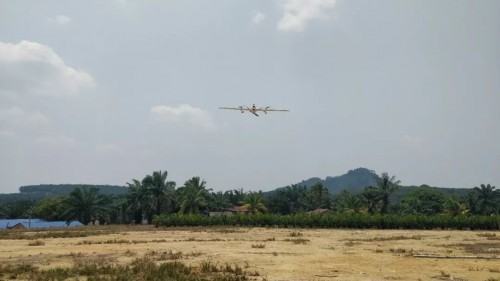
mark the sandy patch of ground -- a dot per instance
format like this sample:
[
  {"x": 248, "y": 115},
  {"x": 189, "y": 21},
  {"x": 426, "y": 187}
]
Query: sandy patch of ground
[{"x": 280, "y": 254}]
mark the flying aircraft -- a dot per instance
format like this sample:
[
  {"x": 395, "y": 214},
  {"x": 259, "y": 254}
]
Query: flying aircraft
[{"x": 253, "y": 109}]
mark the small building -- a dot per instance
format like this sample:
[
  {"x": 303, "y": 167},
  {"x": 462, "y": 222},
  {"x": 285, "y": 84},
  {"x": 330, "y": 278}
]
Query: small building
[
  {"x": 229, "y": 211},
  {"x": 34, "y": 223},
  {"x": 17, "y": 226},
  {"x": 240, "y": 210}
]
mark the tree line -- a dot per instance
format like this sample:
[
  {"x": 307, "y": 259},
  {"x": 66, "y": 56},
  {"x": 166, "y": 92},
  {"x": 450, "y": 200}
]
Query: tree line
[{"x": 155, "y": 195}]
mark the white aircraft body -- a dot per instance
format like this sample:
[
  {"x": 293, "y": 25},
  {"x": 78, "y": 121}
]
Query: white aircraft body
[{"x": 253, "y": 109}]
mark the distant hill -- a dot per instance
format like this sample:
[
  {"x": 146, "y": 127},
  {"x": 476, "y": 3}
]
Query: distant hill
[
  {"x": 354, "y": 180},
  {"x": 357, "y": 179},
  {"x": 40, "y": 191}
]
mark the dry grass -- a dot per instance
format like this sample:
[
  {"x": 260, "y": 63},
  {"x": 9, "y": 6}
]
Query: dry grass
[
  {"x": 488, "y": 235},
  {"x": 298, "y": 240},
  {"x": 355, "y": 254},
  {"x": 295, "y": 234},
  {"x": 36, "y": 243},
  {"x": 390, "y": 238}
]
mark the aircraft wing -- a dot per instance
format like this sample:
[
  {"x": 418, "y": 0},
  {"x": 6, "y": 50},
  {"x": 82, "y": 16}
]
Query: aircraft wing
[
  {"x": 275, "y": 110},
  {"x": 269, "y": 109},
  {"x": 234, "y": 108}
]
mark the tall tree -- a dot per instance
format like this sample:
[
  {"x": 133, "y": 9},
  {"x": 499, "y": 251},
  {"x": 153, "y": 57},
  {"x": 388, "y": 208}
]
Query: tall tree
[
  {"x": 488, "y": 199},
  {"x": 219, "y": 201},
  {"x": 386, "y": 185},
  {"x": 288, "y": 200},
  {"x": 297, "y": 198},
  {"x": 193, "y": 196},
  {"x": 236, "y": 196},
  {"x": 453, "y": 206},
  {"x": 161, "y": 189},
  {"x": 319, "y": 196},
  {"x": 471, "y": 202},
  {"x": 139, "y": 200},
  {"x": 85, "y": 205},
  {"x": 254, "y": 203},
  {"x": 425, "y": 201},
  {"x": 2, "y": 211},
  {"x": 346, "y": 202},
  {"x": 50, "y": 208},
  {"x": 371, "y": 199},
  {"x": 18, "y": 209}
]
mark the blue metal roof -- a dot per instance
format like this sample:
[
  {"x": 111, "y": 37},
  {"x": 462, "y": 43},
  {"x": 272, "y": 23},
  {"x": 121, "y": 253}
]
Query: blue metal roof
[{"x": 36, "y": 223}]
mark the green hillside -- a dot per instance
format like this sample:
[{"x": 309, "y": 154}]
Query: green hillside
[
  {"x": 354, "y": 180},
  {"x": 40, "y": 191},
  {"x": 357, "y": 179}
]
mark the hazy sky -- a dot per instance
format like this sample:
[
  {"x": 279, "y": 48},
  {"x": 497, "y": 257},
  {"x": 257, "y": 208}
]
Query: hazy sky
[{"x": 104, "y": 91}]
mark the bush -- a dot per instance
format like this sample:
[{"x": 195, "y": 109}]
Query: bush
[{"x": 358, "y": 221}]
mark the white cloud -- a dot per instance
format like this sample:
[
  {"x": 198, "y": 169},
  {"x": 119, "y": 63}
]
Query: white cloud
[
  {"x": 33, "y": 68},
  {"x": 55, "y": 141},
  {"x": 7, "y": 135},
  {"x": 184, "y": 113},
  {"x": 297, "y": 12},
  {"x": 109, "y": 149},
  {"x": 258, "y": 17},
  {"x": 413, "y": 141},
  {"x": 17, "y": 117},
  {"x": 60, "y": 20}
]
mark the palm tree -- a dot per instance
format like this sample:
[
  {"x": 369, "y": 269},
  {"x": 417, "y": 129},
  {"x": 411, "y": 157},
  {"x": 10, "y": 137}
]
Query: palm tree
[
  {"x": 471, "y": 202},
  {"x": 139, "y": 200},
  {"x": 193, "y": 196},
  {"x": 85, "y": 205},
  {"x": 488, "y": 199},
  {"x": 386, "y": 186},
  {"x": 254, "y": 203},
  {"x": 297, "y": 198},
  {"x": 2, "y": 211},
  {"x": 236, "y": 196},
  {"x": 219, "y": 201},
  {"x": 161, "y": 189},
  {"x": 17, "y": 209},
  {"x": 348, "y": 202},
  {"x": 318, "y": 195},
  {"x": 453, "y": 206},
  {"x": 371, "y": 198}
]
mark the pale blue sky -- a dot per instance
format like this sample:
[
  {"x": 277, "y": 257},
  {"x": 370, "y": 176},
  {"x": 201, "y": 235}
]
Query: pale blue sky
[{"x": 104, "y": 91}]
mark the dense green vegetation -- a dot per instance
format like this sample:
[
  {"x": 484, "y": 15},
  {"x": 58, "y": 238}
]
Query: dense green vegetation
[
  {"x": 41, "y": 191},
  {"x": 372, "y": 206},
  {"x": 59, "y": 189},
  {"x": 378, "y": 221}
]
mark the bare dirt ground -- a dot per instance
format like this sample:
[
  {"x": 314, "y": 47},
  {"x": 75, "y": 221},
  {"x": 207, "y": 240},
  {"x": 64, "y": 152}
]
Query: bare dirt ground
[{"x": 277, "y": 254}]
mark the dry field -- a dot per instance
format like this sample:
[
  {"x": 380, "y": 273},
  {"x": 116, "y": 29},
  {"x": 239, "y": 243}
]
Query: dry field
[{"x": 268, "y": 253}]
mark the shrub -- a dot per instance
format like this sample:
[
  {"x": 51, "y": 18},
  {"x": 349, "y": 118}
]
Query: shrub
[{"x": 360, "y": 221}]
